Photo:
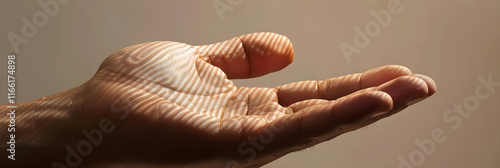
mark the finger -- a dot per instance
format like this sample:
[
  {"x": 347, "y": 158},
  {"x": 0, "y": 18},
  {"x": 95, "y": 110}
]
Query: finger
[
  {"x": 431, "y": 85},
  {"x": 334, "y": 88},
  {"x": 249, "y": 55},
  {"x": 404, "y": 91},
  {"x": 317, "y": 120},
  {"x": 322, "y": 122},
  {"x": 429, "y": 82}
]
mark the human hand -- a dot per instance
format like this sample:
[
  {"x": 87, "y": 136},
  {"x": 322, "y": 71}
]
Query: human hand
[
  {"x": 186, "y": 110},
  {"x": 171, "y": 104}
]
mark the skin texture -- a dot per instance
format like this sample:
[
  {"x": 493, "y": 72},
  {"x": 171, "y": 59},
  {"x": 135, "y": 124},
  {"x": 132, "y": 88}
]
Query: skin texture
[{"x": 169, "y": 104}]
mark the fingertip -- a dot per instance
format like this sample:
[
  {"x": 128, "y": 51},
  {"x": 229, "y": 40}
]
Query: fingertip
[
  {"x": 323, "y": 121},
  {"x": 267, "y": 52},
  {"x": 431, "y": 85},
  {"x": 380, "y": 75},
  {"x": 405, "y": 89},
  {"x": 384, "y": 99},
  {"x": 359, "y": 106}
]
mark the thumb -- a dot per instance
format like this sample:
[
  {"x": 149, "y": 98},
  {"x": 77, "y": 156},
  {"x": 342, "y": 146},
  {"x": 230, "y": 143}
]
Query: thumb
[{"x": 250, "y": 55}]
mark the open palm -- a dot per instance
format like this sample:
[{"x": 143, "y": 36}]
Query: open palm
[{"x": 172, "y": 103}]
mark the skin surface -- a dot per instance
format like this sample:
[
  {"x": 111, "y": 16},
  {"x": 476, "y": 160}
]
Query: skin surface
[{"x": 169, "y": 104}]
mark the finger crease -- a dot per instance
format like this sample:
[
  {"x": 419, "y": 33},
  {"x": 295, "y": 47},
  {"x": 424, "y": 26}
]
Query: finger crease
[
  {"x": 320, "y": 94},
  {"x": 247, "y": 58}
]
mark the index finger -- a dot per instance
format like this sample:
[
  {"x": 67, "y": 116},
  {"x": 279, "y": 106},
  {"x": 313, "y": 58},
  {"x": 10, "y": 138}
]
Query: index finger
[{"x": 334, "y": 88}]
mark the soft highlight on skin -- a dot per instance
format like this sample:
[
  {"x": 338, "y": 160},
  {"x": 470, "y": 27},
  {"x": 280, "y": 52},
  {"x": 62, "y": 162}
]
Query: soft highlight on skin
[{"x": 182, "y": 110}]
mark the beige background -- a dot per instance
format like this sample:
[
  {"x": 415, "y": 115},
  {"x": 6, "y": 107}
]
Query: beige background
[{"x": 454, "y": 42}]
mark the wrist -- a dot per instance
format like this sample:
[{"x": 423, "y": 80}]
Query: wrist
[{"x": 41, "y": 129}]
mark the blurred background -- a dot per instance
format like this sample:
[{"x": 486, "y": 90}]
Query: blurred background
[{"x": 457, "y": 43}]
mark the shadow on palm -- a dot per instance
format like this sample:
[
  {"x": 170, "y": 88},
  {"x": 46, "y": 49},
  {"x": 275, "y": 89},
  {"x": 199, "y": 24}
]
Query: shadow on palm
[{"x": 177, "y": 99}]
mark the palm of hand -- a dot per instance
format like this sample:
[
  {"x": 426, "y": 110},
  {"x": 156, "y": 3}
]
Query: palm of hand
[
  {"x": 178, "y": 98},
  {"x": 189, "y": 91},
  {"x": 172, "y": 85}
]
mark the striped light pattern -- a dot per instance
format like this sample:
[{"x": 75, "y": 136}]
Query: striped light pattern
[
  {"x": 179, "y": 83},
  {"x": 185, "y": 91}
]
